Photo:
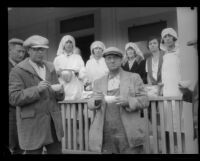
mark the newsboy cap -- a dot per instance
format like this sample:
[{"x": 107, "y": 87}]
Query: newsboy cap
[
  {"x": 112, "y": 51},
  {"x": 36, "y": 41},
  {"x": 15, "y": 41}
]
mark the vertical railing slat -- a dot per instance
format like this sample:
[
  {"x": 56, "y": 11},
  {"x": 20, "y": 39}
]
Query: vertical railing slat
[
  {"x": 154, "y": 127},
  {"x": 178, "y": 120},
  {"x": 183, "y": 139},
  {"x": 86, "y": 127},
  {"x": 162, "y": 126},
  {"x": 69, "y": 126},
  {"x": 64, "y": 126},
  {"x": 147, "y": 146},
  {"x": 80, "y": 126},
  {"x": 74, "y": 126},
  {"x": 171, "y": 129}
]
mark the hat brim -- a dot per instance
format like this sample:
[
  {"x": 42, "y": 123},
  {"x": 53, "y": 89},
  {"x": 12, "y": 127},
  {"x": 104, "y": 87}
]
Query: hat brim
[
  {"x": 112, "y": 53},
  {"x": 40, "y": 46}
]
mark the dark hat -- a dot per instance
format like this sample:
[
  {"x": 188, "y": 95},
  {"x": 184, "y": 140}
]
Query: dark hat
[
  {"x": 112, "y": 51},
  {"x": 36, "y": 41},
  {"x": 15, "y": 41}
]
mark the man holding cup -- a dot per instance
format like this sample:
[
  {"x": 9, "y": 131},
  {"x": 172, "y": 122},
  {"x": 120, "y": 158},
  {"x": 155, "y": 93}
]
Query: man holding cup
[
  {"x": 32, "y": 89},
  {"x": 117, "y": 99}
]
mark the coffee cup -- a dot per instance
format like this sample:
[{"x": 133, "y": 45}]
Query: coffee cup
[
  {"x": 56, "y": 87},
  {"x": 110, "y": 99}
]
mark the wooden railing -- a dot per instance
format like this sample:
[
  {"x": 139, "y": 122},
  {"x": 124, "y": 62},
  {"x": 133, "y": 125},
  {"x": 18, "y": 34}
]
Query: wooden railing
[
  {"x": 158, "y": 116},
  {"x": 164, "y": 132},
  {"x": 76, "y": 125}
]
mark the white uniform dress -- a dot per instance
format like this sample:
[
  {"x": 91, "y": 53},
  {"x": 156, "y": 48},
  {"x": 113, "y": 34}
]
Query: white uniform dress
[
  {"x": 73, "y": 62},
  {"x": 171, "y": 76},
  {"x": 95, "y": 69}
]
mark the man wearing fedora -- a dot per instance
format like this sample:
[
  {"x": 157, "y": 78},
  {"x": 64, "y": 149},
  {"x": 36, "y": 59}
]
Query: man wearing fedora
[
  {"x": 39, "y": 120},
  {"x": 117, "y": 99},
  {"x": 16, "y": 54}
]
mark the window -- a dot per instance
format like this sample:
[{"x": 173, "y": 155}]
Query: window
[{"x": 77, "y": 23}]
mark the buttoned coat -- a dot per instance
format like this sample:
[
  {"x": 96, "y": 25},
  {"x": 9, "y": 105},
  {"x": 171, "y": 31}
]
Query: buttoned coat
[
  {"x": 34, "y": 109},
  {"x": 137, "y": 67},
  {"x": 131, "y": 87}
]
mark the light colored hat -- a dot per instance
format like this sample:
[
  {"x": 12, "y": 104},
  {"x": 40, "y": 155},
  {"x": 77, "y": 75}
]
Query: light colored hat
[
  {"x": 15, "y": 41},
  {"x": 112, "y": 51},
  {"x": 36, "y": 41},
  {"x": 97, "y": 44},
  {"x": 62, "y": 44},
  {"x": 135, "y": 47},
  {"x": 169, "y": 31}
]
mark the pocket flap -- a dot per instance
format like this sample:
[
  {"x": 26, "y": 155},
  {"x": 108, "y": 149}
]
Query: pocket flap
[{"x": 27, "y": 113}]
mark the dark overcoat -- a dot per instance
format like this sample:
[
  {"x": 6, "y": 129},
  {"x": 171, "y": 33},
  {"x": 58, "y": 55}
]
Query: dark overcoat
[{"x": 137, "y": 67}]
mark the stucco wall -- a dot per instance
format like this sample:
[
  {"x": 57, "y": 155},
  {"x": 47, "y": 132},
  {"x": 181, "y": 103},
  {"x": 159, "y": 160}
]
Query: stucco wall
[{"x": 187, "y": 31}]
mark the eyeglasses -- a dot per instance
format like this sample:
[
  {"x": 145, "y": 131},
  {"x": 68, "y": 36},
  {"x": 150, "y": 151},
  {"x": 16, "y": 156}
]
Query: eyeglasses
[{"x": 39, "y": 49}]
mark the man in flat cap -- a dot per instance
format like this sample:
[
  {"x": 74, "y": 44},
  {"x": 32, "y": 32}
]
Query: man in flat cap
[
  {"x": 39, "y": 120},
  {"x": 16, "y": 54},
  {"x": 117, "y": 99}
]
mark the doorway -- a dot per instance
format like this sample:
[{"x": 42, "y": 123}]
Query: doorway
[{"x": 83, "y": 43}]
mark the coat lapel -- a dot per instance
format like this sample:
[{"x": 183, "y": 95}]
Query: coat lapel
[
  {"x": 48, "y": 72},
  {"x": 104, "y": 84},
  {"x": 134, "y": 66},
  {"x": 25, "y": 65},
  {"x": 159, "y": 66}
]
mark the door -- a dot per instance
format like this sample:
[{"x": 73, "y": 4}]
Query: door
[{"x": 83, "y": 43}]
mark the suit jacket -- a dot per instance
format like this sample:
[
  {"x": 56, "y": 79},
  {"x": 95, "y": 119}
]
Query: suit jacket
[
  {"x": 10, "y": 66},
  {"x": 137, "y": 67},
  {"x": 131, "y": 86},
  {"x": 35, "y": 110}
]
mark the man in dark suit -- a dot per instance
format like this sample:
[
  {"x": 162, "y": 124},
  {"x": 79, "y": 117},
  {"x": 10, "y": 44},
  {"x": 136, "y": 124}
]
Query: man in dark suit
[{"x": 16, "y": 55}]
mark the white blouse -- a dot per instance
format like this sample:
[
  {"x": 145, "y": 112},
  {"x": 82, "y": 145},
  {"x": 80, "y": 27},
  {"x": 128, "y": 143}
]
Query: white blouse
[
  {"x": 95, "y": 69},
  {"x": 154, "y": 68},
  {"x": 114, "y": 83},
  {"x": 73, "y": 61}
]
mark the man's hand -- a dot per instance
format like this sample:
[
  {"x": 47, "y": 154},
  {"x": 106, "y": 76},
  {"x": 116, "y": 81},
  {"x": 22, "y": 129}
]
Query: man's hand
[
  {"x": 122, "y": 101},
  {"x": 61, "y": 89},
  {"x": 43, "y": 85},
  {"x": 98, "y": 98}
]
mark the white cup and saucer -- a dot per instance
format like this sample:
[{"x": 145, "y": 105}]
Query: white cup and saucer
[{"x": 56, "y": 87}]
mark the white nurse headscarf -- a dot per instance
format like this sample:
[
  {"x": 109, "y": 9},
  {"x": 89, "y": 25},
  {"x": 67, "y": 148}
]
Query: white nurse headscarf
[
  {"x": 62, "y": 44},
  {"x": 135, "y": 47}
]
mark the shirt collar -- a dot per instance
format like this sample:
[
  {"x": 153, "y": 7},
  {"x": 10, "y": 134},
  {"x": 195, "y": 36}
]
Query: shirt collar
[
  {"x": 34, "y": 64},
  {"x": 117, "y": 76},
  {"x": 68, "y": 54},
  {"x": 175, "y": 49}
]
